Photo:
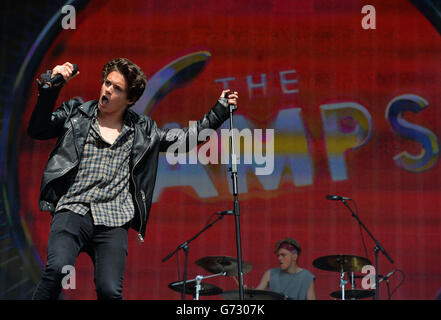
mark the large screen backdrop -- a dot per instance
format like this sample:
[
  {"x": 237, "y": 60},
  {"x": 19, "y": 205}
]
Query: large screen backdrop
[{"x": 355, "y": 112}]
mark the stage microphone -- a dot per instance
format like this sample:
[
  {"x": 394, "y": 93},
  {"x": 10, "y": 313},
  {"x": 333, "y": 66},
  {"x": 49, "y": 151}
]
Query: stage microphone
[
  {"x": 234, "y": 107},
  {"x": 335, "y": 197},
  {"x": 386, "y": 277},
  {"x": 58, "y": 78},
  {"x": 223, "y": 213}
]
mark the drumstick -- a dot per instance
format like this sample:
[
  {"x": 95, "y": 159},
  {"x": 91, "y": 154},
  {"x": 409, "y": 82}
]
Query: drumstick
[{"x": 237, "y": 282}]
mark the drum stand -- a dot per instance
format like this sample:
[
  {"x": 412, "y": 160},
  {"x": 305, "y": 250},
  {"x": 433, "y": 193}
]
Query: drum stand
[
  {"x": 343, "y": 282},
  {"x": 352, "y": 281},
  {"x": 198, "y": 280}
]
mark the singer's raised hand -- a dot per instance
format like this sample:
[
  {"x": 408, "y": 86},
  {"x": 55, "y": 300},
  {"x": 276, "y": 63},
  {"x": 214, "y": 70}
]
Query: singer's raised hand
[
  {"x": 65, "y": 70},
  {"x": 231, "y": 96}
]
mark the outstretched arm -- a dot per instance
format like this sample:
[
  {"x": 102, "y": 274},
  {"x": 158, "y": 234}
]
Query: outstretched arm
[{"x": 211, "y": 120}]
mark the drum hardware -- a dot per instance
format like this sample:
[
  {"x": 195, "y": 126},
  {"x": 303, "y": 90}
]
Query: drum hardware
[
  {"x": 342, "y": 284},
  {"x": 185, "y": 246},
  {"x": 218, "y": 264},
  {"x": 353, "y": 294},
  {"x": 196, "y": 287},
  {"x": 250, "y": 294},
  {"x": 342, "y": 264}
]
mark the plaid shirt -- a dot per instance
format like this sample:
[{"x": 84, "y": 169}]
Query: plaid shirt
[{"x": 102, "y": 180}]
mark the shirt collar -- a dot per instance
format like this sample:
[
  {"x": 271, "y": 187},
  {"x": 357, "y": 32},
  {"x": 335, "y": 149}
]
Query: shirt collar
[{"x": 127, "y": 120}]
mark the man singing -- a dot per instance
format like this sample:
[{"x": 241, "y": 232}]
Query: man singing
[{"x": 100, "y": 176}]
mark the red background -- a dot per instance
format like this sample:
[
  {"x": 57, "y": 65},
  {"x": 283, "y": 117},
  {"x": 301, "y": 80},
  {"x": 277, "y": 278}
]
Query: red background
[{"x": 335, "y": 60}]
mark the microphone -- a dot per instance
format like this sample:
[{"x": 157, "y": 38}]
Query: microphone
[
  {"x": 223, "y": 213},
  {"x": 386, "y": 277},
  {"x": 234, "y": 107},
  {"x": 58, "y": 78},
  {"x": 335, "y": 197}
]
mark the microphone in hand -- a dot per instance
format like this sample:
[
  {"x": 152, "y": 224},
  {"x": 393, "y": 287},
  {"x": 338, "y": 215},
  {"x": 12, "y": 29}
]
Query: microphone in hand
[
  {"x": 58, "y": 79},
  {"x": 226, "y": 96}
]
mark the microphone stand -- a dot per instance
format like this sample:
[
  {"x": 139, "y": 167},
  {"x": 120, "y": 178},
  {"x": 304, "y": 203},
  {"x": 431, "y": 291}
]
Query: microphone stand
[
  {"x": 236, "y": 209},
  {"x": 388, "y": 289},
  {"x": 185, "y": 247},
  {"x": 378, "y": 247}
]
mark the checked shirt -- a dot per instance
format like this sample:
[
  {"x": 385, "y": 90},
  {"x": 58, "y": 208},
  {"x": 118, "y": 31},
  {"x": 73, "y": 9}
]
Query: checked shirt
[{"x": 102, "y": 181}]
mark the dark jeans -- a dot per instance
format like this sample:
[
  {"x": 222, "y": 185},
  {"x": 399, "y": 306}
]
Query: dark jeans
[{"x": 71, "y": 234}]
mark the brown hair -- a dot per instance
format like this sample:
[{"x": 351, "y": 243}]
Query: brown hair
[
  {"x": 135, "y": 78},
  {"x": 290, "y": 241}
]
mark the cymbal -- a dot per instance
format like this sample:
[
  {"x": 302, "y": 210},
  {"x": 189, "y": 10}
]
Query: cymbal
[
  {"x": 219, "y": 264},
  {"x": 353, "y": 294},
  {"x": 341, "y": 263},
  {"x": 207, "y": 289},
  {"x": 250, "y": 294}
]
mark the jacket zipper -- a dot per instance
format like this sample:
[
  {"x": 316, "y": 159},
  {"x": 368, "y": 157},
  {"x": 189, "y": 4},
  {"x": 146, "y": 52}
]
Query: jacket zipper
[
  {"x": 75, "y": 140},
  {"x": 140, "y": 238}
]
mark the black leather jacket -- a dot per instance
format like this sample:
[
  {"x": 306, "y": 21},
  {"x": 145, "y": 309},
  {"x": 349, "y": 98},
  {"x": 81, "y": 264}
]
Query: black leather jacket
[{"x": 70, "y": 123}]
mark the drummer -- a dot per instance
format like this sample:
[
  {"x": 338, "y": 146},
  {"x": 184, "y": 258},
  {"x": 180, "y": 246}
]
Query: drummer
[{"x": 289, "y": 279}]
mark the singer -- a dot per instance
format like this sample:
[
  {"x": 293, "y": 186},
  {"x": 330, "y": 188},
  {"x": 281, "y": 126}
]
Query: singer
[{"x": 99, "y": 179}]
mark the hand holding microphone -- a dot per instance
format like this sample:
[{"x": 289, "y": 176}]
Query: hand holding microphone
[
  {"x": 231, "y": 97},
  {"x": 61, "y": 74}
]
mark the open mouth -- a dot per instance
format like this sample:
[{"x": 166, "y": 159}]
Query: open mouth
[{"x": 104, "y": 100}]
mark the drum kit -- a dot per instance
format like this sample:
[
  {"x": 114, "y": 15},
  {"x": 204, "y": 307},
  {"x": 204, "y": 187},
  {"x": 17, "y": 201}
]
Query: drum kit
[
  {"x": 221, "y": 266},
  {"x": 227, "y": 266},
  {"x": 345, "y": 264}
]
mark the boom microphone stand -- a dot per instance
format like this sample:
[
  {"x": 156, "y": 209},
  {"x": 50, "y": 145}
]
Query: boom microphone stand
[
  {"x": 378, "y": 247},
  {"x": 185, "y": 247},
  {"x": 236, "y": 209}
]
